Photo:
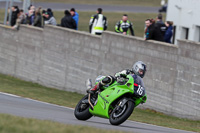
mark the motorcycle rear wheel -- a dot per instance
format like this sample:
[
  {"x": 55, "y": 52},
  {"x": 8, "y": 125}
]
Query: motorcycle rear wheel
[
  {"x": 81, "y": 111},
  {"x": 121, "y": 114}
]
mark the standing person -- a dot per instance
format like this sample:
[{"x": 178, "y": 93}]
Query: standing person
[
  {"x": 15, "y": 11},
  {"x": 30, "y": 16},
  {"x": 153, "y": 31},
  {"x": 169, "y": 31},
  {"x": 18, "y": 22},
  {"x": 50, "y": 11},
  {"x": 43, "y": 17},
  {"x": 22, "y": 16},
  {"x": 163, "y": 6},
  {"x": 149, "y": 29},
  {"x": 38, "y": 18},
  {"x": 98, "y": 23},
  {"x": 49, "y": 19},
  {"x": 75, "y": 16},
  {"x": 124, "y": 25},
  {"x": 67, "y": 21},
  {"x": 161, "y": 25},
  {"x": 146, "y": 30}
]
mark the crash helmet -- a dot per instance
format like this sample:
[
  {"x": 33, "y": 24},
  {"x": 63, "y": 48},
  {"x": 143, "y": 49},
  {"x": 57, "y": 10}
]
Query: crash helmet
[{"x": 139, "y": 68}]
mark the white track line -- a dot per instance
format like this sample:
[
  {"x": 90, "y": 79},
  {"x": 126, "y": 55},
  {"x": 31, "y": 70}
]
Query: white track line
[{"x": 12, "y": 95}]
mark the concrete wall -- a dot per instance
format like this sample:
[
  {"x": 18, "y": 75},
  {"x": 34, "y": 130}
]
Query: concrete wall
[{"x": 64, "y": 58}]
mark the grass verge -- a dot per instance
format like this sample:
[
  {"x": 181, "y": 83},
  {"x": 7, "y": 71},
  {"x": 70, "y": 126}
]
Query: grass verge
[
  {"x": 2, "y": 13},
  {"x": 14, "y": 124},
  {"x": 59, "y": 97}
]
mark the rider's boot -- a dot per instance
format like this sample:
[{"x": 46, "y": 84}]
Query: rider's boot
[{"x": 94, "y": 89}]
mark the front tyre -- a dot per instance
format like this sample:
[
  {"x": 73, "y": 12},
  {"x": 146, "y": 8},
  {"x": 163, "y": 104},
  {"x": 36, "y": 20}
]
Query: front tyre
[
  {"x": 81, "y": 111},
  {"x": 121, "y": 113}
]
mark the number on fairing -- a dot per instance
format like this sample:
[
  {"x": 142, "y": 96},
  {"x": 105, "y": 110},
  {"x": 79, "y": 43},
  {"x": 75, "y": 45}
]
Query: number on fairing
[{"x": 140, "y": 90}]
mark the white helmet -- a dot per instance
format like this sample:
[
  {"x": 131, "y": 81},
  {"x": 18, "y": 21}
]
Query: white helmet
[{"x": 139, "y": 68}]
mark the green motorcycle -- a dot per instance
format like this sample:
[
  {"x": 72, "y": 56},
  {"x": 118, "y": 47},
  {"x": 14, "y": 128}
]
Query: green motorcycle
[{"x": 115, "y": 102}]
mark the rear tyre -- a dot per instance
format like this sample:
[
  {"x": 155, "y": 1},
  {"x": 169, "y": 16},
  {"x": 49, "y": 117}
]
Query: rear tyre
[
  {"x": 121, "y": 114},
  {"x": 81, "y": 111}
]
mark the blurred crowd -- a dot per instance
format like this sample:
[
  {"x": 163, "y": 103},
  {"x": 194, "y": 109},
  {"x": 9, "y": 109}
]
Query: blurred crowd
[
  {"x": 38, "y": 18},
  {"x": 155, "y": 29},
  {"x": 158, "y": 30}
]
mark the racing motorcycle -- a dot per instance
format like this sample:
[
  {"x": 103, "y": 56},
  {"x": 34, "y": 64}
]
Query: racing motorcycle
[{"x": 115, "y": 102}]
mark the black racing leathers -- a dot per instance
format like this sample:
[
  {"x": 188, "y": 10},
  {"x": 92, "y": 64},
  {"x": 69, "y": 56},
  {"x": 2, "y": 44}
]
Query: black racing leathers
[{"x": 122, "y": 27}]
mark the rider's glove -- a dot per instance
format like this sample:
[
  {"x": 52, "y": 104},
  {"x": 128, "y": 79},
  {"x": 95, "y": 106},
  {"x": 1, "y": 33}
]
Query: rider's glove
[{"x": 121, "y": 74}]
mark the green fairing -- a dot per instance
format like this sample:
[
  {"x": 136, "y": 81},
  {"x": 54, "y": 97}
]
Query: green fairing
[{"x": 113, "y": 92}]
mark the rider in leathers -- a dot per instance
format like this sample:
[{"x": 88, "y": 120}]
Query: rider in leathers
[
  {"x": 98, "y": 23},
  {"x": 137, "y": 72},
  {"x": 124, "y": 25}
]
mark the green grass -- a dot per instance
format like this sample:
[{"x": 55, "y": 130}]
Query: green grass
[
  {"x": 70, "y": 99},
  {"x": 14, "y": 124},
  {"x": 38, "y": 92},
  {"x": 157, "y": 118},
  {"x": 108, "y": 2},
  {"x": 2, "y": 13}
]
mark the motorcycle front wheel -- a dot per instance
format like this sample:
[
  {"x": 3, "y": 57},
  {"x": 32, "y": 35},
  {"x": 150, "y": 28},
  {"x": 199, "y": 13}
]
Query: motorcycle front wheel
[
  {"x": 81, "y": 111},
  {"x": 121, "y": 114}
]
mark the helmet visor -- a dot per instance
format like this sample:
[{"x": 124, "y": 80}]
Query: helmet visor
[{"x": 141, "y": 72}]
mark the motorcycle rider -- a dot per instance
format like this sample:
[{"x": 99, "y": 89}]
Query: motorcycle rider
[
  {"x": 124, "y": 25},
  {"x": 98, "y": 23},
  {"x": 137, "y": 72}
]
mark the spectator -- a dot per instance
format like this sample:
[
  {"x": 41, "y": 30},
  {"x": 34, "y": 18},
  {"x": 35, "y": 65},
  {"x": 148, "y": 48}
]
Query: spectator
[
  {"x": 124, "y": 25},
  {"x": 44, "y": 18},
  {"x": 163, "y": 6},
  {"x": 30, "y": 16},
  {"x": 50, "y": 11},
  {"x": 49, "y": 19},
  {"x": 22, "y": 17},
  {"x": 18, "y": 22},
  {"x": 38, "y": 18},
  {"x": 98, "y": 23},
  {"x": 169, "y": 31},
  {"x": 67, "y": 21},
  {"x": 148, "y": 28},
  {"x": 161, "y": 25},
  {"x": 75, "y": 16},
  {"x": 32, "y": 8},
  {"x": 153, "y": 32},
  {"x": 15, "y": 11}
]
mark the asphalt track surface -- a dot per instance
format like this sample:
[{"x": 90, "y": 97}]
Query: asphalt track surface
[
  {"x": 25, "y": 107},
  {"x": 81, "y": 7}
]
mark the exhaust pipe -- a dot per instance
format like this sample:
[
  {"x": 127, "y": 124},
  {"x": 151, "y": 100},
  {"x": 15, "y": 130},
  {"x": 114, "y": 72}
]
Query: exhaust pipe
[{"x": 90, "y": 101}]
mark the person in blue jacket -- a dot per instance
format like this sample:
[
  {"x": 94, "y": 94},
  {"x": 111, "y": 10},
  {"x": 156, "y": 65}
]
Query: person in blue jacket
[
  {"x": 75, "y": 16},
  {"x": 169, "y": 31}
]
